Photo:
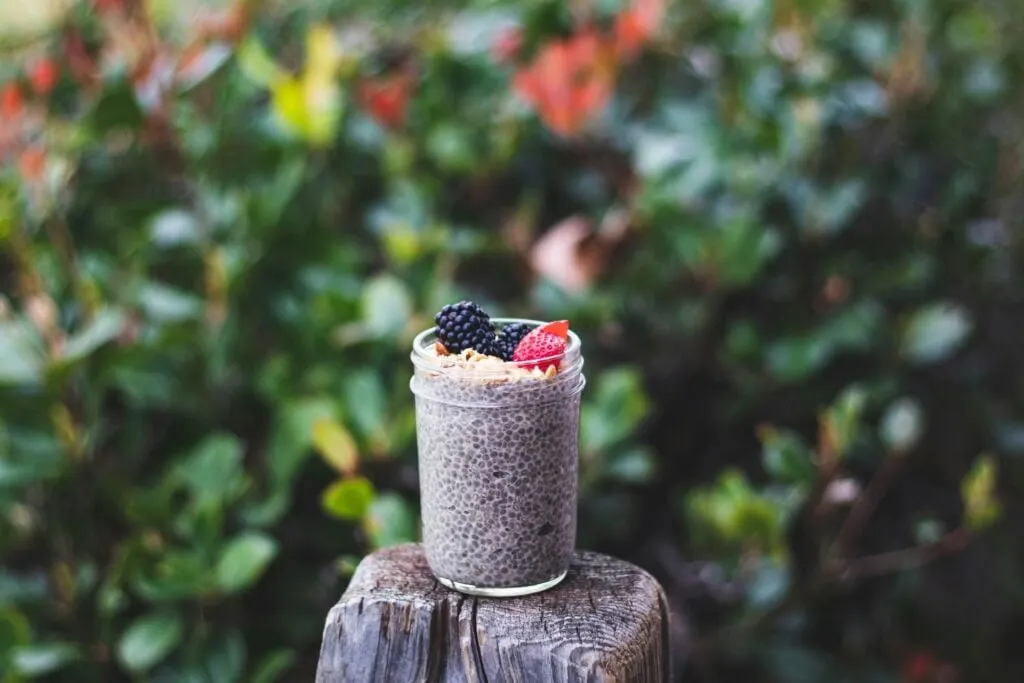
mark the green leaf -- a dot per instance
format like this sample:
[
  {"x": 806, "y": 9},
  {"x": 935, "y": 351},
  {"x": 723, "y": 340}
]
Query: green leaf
[
  {"x": 978, "y": 490},
  {"x": 614, "y": 410},
  {"x": 768, "y": 586},
  {"x": 389, "y": 521},
  {"x": 794, "y": 359},
  {"x": 180, "y": 574},
  {"x": 21, "y": 356},
  {"x": 222, "y": 658},
  {"x": 348, "y": 498},
  {"x": 335, "y": 445},
  {"x": 276, "y": 194},
  {"x": 164, "y": 304},
  {"x": 213, "y": 470},
  {"x": 148, "y": 640},
  {"x": 14, "y": 628},
  {"x": 272, "y": 666},
  {"x": 257, "y": 64},
  {"x": 741, "y": 248},
  {"x": 843, "y": 417},
  {"x": 451, "y": 146},
  {"x": 117, "y": 108},
  {"x": 786, "y": 457},
  {"x": 244, "y": 560},
  {"x": 901, "y": 425},
  {"x": 16, "y": 589},
  {"x": 174, "y": 227},
  {"x": 42, "y": 658},
  {"x": 632, "y": 466},
  {"x": 934, "y": 332},
  {"x": 387, "y": 305},
  {"x": 366, "y": 402},
  {"x": 292, "y": 437},
  {"x": 105, "y": 327}
]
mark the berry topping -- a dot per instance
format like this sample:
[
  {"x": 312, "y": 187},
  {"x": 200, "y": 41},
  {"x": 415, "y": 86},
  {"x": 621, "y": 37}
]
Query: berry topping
[
  {"x": 509, "y": 338},
  {"x": 464, "y": 326},
  {"x": 559, "y": 328},
  {"x": 546, "y": 343}
]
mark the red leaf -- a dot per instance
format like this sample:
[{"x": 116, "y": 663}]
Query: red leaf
[
  {"x": 635, "y": 26},
  {"x": 43, "y": 75},
  {"x": 11, "y": 101},
  {"x": 387, "y": 99},
  {"x": 31, "y": 163},
  {"x": 568, "y": 81}
]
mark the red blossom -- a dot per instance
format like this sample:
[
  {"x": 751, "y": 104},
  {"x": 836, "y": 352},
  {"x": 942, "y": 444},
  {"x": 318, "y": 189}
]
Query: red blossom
[
  {"x": 635, "y": 26},
  {"x": 386, "y": 99},
  {"x": 43, "y": 75},
  {"x": 11, "y": 101},
  {"x": 569, "y": 81}
]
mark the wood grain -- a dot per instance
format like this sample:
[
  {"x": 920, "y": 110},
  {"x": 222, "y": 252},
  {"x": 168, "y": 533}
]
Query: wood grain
[{"x": 607, "y": 621}]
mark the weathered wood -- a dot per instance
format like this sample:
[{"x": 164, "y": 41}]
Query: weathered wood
[{"x": 607, "y": 621}]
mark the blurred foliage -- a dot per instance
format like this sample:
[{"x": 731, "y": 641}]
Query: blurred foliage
[{"x": 787, "y": 232}]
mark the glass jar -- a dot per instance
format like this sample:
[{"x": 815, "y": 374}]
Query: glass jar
[{"x": 498, "y": 461}]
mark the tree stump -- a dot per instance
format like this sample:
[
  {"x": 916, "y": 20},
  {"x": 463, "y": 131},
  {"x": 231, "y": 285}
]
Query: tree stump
[{"x": 607, "y": 621}]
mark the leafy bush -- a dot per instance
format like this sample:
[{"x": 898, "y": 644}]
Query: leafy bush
[{"x": 786, "y": 232}]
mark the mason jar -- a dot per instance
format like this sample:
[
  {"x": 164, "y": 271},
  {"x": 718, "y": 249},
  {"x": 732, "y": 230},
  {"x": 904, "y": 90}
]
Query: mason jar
[{"x": 498, "y": 450}]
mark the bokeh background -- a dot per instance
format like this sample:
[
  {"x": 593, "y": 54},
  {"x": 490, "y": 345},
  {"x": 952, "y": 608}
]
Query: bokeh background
[{"x": 788, "y": 232}]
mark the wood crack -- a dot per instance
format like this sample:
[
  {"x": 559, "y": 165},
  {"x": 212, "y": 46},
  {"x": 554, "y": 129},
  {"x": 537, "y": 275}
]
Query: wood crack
[
  {"x": 440, "y": 626},
  {"x": 475, "y": 641}
]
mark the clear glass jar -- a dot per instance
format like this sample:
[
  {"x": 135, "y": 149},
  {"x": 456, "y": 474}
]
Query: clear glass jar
[{"x": 498, "y": 462}]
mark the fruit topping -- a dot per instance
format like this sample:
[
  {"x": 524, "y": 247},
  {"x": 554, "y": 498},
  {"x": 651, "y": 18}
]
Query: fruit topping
[
  {"x": 545, "y": 344},
  {"x": 509, "y": 338},
  {"x": 464, "y": 326},
  {"x": 559, "y": 328}
]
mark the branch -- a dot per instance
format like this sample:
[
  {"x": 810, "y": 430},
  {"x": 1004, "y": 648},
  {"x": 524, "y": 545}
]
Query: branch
[
  {"x": 865, "y": 505},
  {"x": 901, "y": 560}
]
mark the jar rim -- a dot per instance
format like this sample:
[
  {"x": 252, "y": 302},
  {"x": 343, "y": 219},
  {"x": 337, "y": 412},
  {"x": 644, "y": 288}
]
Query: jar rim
[{"x": 422, "y": 343}]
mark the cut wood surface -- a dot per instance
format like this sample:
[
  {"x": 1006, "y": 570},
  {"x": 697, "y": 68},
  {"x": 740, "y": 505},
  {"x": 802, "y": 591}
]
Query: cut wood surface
[{"x": 607, "y": 621}]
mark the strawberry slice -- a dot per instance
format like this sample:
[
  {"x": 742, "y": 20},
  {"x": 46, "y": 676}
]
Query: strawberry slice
[
  {"x": 559, "y": 328},
  {"x": 546, "y": 344}
]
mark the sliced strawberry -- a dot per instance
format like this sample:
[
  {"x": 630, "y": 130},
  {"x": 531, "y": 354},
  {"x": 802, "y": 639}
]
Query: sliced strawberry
[
  {"x": 543, "y": 345},
  {"x": 559, "y": 328}
]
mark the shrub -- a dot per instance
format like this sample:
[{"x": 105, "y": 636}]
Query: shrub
[{"x": 785, "y": 231}]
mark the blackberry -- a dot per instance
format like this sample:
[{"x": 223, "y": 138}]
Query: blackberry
[
  {"x": 508, "y": 339},
  {"x": 464, "y": 326}
]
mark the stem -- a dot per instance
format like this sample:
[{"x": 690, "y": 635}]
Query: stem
[
  {"x": 909, "y": 558},
  {"x": 865, "y": 505},
  {"x": 59, "y": 234},
  {"x": 844, "y": 570}
]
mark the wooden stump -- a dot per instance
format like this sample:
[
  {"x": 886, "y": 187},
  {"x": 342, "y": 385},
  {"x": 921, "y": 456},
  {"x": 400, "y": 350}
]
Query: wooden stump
[{"x": 607, "y": 621}]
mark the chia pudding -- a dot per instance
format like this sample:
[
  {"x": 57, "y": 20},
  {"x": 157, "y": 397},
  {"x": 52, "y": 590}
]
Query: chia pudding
[{"x": 498, "y": 460}]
